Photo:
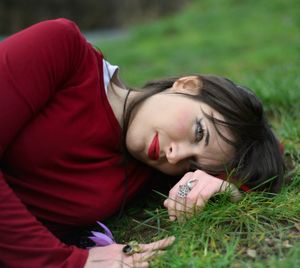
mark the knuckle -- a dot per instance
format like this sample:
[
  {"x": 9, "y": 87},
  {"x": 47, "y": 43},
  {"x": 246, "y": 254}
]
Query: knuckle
[
  {"x": 205, "y": 196},
  {"x": 172, "y": 191},
  {"x": 199, "y": 172},
  {"x": 188, "y": 174}
]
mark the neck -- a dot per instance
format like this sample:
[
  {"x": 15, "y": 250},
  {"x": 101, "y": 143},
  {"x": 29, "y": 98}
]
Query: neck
[{"x": 117, "y": 94}]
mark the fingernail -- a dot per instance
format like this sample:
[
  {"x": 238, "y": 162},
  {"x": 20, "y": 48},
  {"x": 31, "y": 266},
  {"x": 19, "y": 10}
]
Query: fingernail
[
  {"x": 172, "y": 238},
  {"x": 172, "y": 218}
]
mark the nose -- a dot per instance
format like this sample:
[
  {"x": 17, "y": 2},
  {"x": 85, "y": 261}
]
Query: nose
[{"x": 178, "y": 151}]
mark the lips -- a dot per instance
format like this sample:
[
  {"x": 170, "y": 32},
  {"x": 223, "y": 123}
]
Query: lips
[{"x": 153, "y": 151}]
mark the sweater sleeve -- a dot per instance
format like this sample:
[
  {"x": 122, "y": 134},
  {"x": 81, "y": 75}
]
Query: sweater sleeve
[{"x": 34, "y": 64}]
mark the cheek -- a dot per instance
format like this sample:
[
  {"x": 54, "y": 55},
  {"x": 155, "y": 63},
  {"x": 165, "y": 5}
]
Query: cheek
[{"x": 182, "y": 124}]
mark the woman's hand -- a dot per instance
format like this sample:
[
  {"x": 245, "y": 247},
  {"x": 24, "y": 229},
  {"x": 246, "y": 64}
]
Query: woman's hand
[
  {"x": 112, "y": 256},
  {"x": 204, "y": 187}
]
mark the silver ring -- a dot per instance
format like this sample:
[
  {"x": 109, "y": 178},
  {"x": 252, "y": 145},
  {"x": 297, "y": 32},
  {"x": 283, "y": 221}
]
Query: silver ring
[
  {"x": 131, "y": 248},
  {"x": 186, "y": 188},
  {"x": 190, "y": 183},
  {"x": 183, "y": 190}
]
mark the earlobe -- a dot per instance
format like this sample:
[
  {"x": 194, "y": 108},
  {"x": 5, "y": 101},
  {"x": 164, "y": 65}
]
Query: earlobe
[{"x": 188, "y": 85}]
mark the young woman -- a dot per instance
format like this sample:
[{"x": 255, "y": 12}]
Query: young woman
[{"x": 75, "y": 143}]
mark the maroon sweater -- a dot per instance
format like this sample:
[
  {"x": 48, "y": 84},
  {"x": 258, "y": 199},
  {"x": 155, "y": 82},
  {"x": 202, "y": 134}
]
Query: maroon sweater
[{"x": 61, "y": 166}]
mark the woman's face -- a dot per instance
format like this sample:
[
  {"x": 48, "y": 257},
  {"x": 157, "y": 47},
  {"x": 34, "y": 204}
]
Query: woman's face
[{"x": 170, "y": 130}]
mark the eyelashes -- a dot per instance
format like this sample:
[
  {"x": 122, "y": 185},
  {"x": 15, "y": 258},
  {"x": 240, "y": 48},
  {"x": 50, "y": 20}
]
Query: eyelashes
[{"x": 199, "y": 131}]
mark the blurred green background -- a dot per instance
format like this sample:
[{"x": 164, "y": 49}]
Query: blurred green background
[
  {"x": 234, "y": 38},
  {"x": 88, "y": 14}
]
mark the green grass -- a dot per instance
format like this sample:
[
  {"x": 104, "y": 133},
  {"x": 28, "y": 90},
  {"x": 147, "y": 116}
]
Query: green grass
[{"x": 256, "y": 43}]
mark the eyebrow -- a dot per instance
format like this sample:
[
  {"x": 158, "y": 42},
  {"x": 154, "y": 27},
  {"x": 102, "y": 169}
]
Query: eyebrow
[{"x": 207, "y": 136}]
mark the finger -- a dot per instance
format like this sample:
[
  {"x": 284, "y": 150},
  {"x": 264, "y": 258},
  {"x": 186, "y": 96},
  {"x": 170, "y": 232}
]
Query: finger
[
  {"x": 185, "y": 206},
  {"x": 200, "y": 203},
  {"x": 235, "y": 194},
  {"x": 171, "y": 204},
  {"x": 171, "y": 208},
  {"x": 138, "y": 260},
  {"x": 190, "y": 203},
  {"x": 190, "y": 207},
  {"x": 137, "y": 263},
  {"x": 157, "y": 245},
  {"x": 174, "y": 203},
  {"x": 207, "y": 189},
  {"x": 180, "y": 207},
  {"x": 201, "y": 195},
  {"x": 143, "y": 256},
  {"x": 167, "y": 204},
  {"x": 147, "y": 255}
]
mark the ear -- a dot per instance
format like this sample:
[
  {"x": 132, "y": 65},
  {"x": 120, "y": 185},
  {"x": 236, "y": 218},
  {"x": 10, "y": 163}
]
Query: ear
[{"x": 188, "y": 85}]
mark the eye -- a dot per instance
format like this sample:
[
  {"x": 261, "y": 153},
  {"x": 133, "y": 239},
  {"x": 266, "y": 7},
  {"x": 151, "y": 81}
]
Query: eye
[{"x": 199, "y": 132}]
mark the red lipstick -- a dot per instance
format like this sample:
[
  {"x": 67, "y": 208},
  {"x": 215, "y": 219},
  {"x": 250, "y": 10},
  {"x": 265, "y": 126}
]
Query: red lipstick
[{"x": 153, "y": 151}]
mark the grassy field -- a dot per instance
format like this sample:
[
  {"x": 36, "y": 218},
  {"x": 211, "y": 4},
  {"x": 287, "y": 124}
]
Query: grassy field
[{"x": 256, "y": 43}]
